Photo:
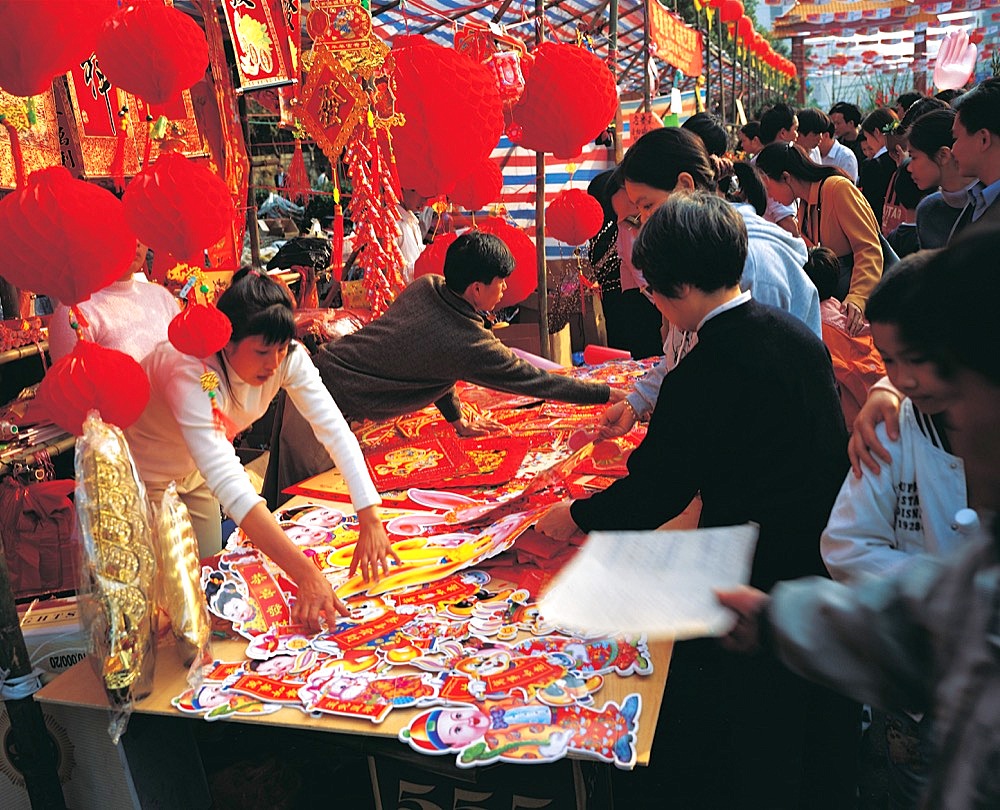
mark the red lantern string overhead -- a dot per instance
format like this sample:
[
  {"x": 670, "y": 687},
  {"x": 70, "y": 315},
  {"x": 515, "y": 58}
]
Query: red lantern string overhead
[
  {"x": 152, "y": 51},
  {"x": 478, "y": 188},
  {"x": 569, "y": 98},
  {"x": 730, "y": 11},
  {"x": 39, "y": 39},
  {"x": 573, "y": 217},
  {"x": 432, "y": 258},
  {"x": 745, "y": 29},
  {"x": 452, "y": 110},
  {"x": 524, "y": 280},
  {"x": 90, "y": 377},
  {"x": 179, "y": 207},
  {"x": 64, "y": 237},
  {"x": 200, "y": 330}
]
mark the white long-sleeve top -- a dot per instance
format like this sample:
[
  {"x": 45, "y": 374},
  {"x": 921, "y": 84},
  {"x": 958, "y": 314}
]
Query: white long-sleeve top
[
  {"x": 176, "y": 433},
  {"x": 880, "y": 522}
]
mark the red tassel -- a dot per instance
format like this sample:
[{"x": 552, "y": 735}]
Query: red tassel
[
  {"x": 118, "y": 161},
  {"x": 337, "y": 260},
  {"x": 15, "y": 150},
  {"x": 297, "y": 181}
]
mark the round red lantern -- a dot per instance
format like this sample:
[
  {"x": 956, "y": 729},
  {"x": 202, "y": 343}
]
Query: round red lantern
[
  {"x": 573, "y": 217},
  {"x": 152, "y": 51},
  {"x": 178, "y": 206},
  {"x": 730, "y": 11},
  {"x": 200, "y": 330},
  {"x": 40, "y": 39},
  {"x": 90, "y": 377},
  {"x": 63, "y": 237},
  {"x": 431, "y": 260},
  {"x": 745, "y": 29},
  {"x": 478, "y": 188},
  {"x": 524, "y": 280},
  {"x": 453, "y": 118},
  {"x": 569, "y": 98}
]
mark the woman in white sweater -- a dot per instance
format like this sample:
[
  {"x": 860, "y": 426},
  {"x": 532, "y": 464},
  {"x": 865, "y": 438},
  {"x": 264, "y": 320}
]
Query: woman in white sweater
[{"x": 196, "y": 409}]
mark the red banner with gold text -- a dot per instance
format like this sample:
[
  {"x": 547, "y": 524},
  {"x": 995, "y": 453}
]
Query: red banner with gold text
[{"x": 674, "y": 42}]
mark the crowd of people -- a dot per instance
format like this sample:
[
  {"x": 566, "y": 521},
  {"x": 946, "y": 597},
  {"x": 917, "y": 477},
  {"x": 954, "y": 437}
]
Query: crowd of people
[{"x": 877, "y": 235}]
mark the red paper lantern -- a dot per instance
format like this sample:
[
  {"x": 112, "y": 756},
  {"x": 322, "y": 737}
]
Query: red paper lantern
[
  {"x": 152, "y": 51},
  {"x": 573, "y": 217},
  {"x": 452, "y": 110},
  {"x": 178, "y": 206},
  {"x": 63, "y": 237},
  {"x": 745, "y": 28},
  {"x": 730, "y": 11},
  {"x": 524, "y": 280},
  {"x": 40, "y": 39},
  {"x": 431, "y": 260},
  {"x": 478, "y": 188},
  {"x": 90, "y": 377},
  {"x": 569, "y": 98},
  {"x": 200, "y": 330}
]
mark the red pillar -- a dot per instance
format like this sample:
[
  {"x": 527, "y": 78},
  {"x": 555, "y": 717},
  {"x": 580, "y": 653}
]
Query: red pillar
[{"x": 799, "y": 60}]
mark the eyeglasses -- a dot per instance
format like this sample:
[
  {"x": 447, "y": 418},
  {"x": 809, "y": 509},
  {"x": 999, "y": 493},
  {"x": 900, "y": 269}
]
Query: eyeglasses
[{"x": 633, "y": 221}]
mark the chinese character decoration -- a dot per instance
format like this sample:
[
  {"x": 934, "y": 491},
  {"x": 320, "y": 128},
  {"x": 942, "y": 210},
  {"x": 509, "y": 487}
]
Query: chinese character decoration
[
  {"x": 340, "y": 26},
  {"x": 261, "y": 42}
]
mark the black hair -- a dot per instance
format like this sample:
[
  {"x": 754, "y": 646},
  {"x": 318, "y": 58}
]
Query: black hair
[
  {"x": 980, "y": 107},
  {"x": 602, "y": 188},
  {"x": 877, "y": 119},
  {"x": 659, "y": 156},
  {"x": 952, "y": 318},
  {"x": 908, "y": 193},
  {"x": 778, "y": 158},
  {"x": 921, "y": 107},
  {"x": 257, "y": 305},
  {"x": 476, "y": 256},
  {"x": 227, "y": 593},
  {"x": 775, "y": 119},
  {"x": 906, "y": 100},
  {"x": 693, "y": 238},
  {"x": 751, "y": 129},
  {"x": 932, "y": 132},
  {"x": 893, "y": 295},
  {"x": 823, "y": 270},
  {"x": 851, "y": 112},
  {"x": 813, "y": 121},
  {"x": 707, "y": 127},
  {"x": 748, "y": 187},
  {"x": 949, "y": 96}
]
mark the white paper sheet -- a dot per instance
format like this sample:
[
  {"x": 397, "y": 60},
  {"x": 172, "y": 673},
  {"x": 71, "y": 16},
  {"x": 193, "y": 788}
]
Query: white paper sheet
[{"x": 658, "y": 583}]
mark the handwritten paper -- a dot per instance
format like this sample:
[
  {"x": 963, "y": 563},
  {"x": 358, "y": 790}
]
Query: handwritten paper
[{"x": 660, "y": 583}]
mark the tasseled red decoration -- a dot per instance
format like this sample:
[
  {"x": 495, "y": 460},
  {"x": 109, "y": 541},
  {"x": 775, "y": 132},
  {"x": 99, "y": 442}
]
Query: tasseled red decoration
[
  {"x": 573, "y": 217},
  {"x": 524, "y": 280},
  {"x": 118, "y": 161},
  {"x": 15, "y": 151},
  {"x": 200, "y": 330},
  {"x": 337, "y": 264},
  {"x": 92, "y": 376},
  {"x": 297, "y": 179},
  {"x": 48, "y": 240}
]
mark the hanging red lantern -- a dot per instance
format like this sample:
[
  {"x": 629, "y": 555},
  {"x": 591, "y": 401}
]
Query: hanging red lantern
[
  {"x": 976, "y": 37},
  {"x": 730, "y": 11},
  {"x": 451, "y": 108},
  {"x": 569, "y": 98},
  {"x": 178, "y": 206},
  {"x": 39, "y": 39},
  {"x": 478, "y": 188},
  {"x": 523, "y": 281},
  {"x": 152, "y": 51},
  {"x": 745, "y": 29},
  {"x": 431, "y": 260},
  {"x": 200, "y": 330},
  {"x": 573, "y": 217},
  {"x": 93, "y": 377},
  {"x": 63, "y": 237}
]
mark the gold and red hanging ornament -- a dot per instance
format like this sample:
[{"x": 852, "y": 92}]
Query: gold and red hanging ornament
[
  {"x": 92, "y": 376},
  {"x": 152, "y": 51},
  {"x": 178, "y": 207},
  {"x": 573, "y": 217},
  {"x": 39, "y": 39},
  {"x": 452, "y": 113},
  {"x": 569, "y": 98},
  {"x": 49, "y": 241}
]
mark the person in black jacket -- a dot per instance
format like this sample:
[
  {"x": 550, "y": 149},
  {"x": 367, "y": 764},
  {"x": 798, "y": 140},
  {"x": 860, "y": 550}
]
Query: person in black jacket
[
  {"x": 875, "y": 173},
  {"x": 751, "y": 419}
]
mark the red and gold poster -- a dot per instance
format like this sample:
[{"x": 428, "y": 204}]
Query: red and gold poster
[
  {"x": 259, "y": 43},
  {"x": 674, "y": 42},
  {"x": 40, "y": 141}
]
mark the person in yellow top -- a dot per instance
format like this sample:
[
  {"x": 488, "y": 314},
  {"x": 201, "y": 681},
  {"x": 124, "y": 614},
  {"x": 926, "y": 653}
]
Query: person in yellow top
[{"x": 836, "y": 215}]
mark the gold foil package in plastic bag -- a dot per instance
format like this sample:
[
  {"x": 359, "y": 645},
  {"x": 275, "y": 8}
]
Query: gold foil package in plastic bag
[
  {"x": 178, "y": 591},
  {"x": 118, "y": 566}
]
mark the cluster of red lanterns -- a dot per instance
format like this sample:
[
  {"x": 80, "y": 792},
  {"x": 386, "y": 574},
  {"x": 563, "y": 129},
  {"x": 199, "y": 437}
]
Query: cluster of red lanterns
[{"x": 731, "y": 12}]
